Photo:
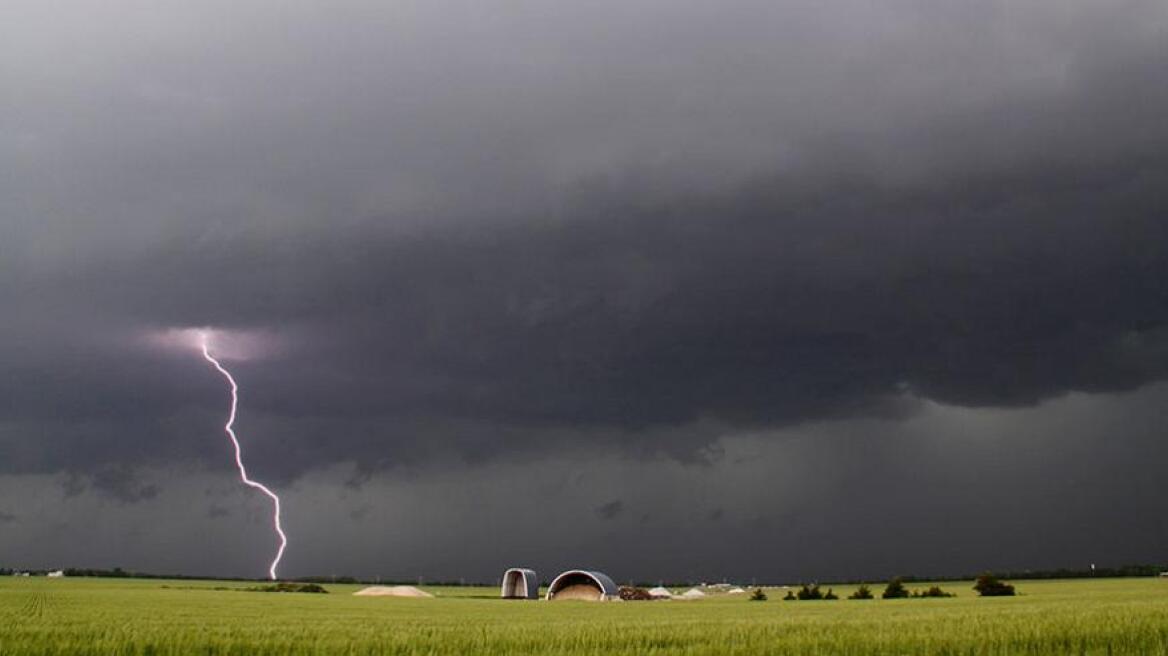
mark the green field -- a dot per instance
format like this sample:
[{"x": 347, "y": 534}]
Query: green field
[{"x": 121, "y": 616}]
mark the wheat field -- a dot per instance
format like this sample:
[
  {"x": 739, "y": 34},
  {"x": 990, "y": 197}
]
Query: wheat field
[{"x": 123, "y": 616}]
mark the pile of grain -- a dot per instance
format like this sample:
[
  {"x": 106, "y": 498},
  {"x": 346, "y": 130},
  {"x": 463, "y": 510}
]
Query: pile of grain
[{"x": 391, "y": 591}]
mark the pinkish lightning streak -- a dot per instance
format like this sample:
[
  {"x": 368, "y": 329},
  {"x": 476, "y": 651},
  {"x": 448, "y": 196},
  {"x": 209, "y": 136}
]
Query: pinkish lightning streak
[{"x": 239, "y": 460}]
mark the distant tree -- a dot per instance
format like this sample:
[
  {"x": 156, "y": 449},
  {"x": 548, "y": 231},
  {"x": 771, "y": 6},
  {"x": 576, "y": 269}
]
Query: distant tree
[
  {"x": 895, "y": 589},
  {"x": 809, "y": 593},
  {"x": 862, "y": 592},
  {"x": 286, "y": 586},
  {"x": 830, "y": 595},
  {"x": 790, "y": 596},
  {"x": 933, "y": 591},
  {"x": 988, "y": 585},
  {"x": 758, "y": 595}
]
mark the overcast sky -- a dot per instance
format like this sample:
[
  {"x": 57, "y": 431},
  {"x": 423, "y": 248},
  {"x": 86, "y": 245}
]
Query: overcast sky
[{"x": 757, "y": 290}]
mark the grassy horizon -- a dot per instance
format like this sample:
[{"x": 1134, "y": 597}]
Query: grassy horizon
[{"x": 41, "y": 616}]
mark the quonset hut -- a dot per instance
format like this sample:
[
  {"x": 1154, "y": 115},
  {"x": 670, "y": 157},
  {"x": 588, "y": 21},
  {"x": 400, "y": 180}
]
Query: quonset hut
[
  {"x": 520, "y": 584},
  {"x": 583, "y": 584}
]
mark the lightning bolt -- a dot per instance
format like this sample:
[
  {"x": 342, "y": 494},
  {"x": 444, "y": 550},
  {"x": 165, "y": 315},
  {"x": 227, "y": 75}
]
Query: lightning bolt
[{"x": 239, "y": 458}]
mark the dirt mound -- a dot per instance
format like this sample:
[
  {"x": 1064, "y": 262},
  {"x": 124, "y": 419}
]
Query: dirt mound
[{"x": 391, "y": 591}]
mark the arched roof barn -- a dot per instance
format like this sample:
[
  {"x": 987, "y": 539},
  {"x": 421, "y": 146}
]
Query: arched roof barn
[
  {"x": 519, "y": 583},
  {"x": 583, "y": 584}
]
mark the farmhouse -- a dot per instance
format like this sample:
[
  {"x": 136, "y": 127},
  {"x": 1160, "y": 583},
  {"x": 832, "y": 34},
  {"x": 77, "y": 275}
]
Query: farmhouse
[
  {"x": 583, "y": 584},
  {"x": 519, "y": 583}
]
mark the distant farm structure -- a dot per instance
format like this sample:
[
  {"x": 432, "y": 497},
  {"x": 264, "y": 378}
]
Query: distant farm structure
[
  {"x": 520, "y": 583},
  {"x": 584, "y": 585}
]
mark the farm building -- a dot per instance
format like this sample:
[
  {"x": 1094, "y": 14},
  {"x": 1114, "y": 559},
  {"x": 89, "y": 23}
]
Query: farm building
[
  {"x": 583, "y": 584},
  {"x": 520, "y": 583}
]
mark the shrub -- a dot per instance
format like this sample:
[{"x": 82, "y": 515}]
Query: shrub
[
  {"x": 830, "y": 595},
  {"x": 790, "y": 596},
  {"x": 895, "y": 589},
  {"x": 290, "y": 587},
  {"x": 758, "y": 595},
  {"x": 862, "y": 592},
  {"x": 809, "y": 593},
  {"x": 988, "y": 585},
  {"x": 629, "y": 593},
  {"x": 933, "y": 591}
]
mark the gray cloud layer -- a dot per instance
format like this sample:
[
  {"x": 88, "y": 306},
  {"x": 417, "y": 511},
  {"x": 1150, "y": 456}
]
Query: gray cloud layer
[
  {"x": 498, "y": 232},
  {"x": 950, "y": 490}
]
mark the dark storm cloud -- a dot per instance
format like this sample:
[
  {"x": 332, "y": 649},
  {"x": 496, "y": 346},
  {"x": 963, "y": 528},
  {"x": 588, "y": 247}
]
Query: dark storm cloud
[
  {"x": 73, "y": 485},
  {"x": 611, "y": 509},
  {"x": 123, "y": 484},
  {"x": 215, "y": 511},
  {"x": 491, "y": 233}
]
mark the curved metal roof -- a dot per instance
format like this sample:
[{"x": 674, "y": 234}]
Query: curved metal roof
[
  {"x": 530, "y": 584},
  {"x": 608, "y": 589}
]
